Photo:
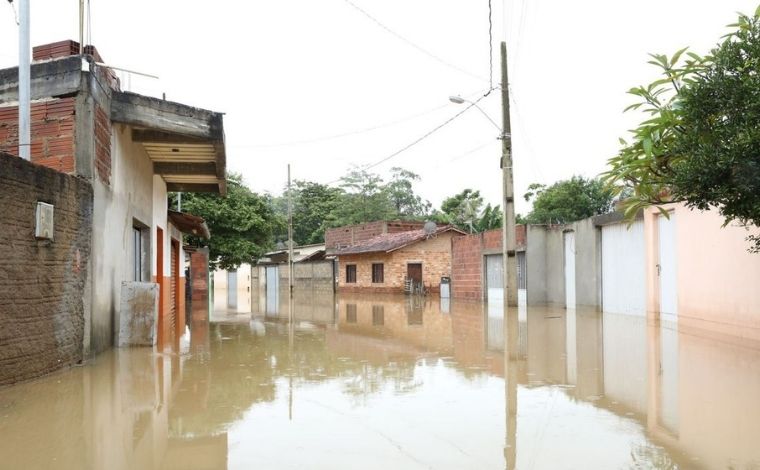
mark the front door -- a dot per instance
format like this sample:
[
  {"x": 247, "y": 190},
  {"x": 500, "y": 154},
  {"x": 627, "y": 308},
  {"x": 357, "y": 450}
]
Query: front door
[
  {"x": 232, "y": 290},
  {"x": 414, "y": 273},
  {"x": 569, "y": 269}
]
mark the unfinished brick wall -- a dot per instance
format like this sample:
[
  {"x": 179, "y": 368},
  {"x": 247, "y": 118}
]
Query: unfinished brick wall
[
  {"x": 467, "y": 260},
  {"x": 349, "y": 234},
  {"x": 52, "y": 133},
  {"x": 102, "y": 128},
  {"x": 42, "y": 283}
]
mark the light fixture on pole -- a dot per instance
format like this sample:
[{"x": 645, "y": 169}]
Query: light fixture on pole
[{"x": 456, "y": 99}]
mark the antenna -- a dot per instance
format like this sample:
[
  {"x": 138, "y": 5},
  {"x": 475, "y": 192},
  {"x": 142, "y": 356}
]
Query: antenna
[{"x": 430, "y": 227}]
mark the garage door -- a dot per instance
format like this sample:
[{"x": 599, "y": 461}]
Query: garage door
[{"x": 623, "y": 269}]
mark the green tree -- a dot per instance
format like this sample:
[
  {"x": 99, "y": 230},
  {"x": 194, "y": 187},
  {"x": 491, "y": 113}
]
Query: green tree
[
  {"x": 491, "y": 218},
  {"x": 312, "y": 205},
  {"x": 242, "y": 223},
  {"x": 406, "y": 203},
  {"x": 364, "y": 198},
  {"x": 701, "y": 141},
  {"x": 568, "y": 200},
  {"x": 461, "y": 210}
]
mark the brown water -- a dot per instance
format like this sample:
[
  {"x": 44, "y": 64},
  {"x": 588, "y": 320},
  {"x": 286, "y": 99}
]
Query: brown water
[{"x": 393, "y": 382}]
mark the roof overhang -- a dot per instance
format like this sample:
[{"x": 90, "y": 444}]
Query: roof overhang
[
  {"x": 190, "y": 224},
  {"x": 185, "y": 144}
]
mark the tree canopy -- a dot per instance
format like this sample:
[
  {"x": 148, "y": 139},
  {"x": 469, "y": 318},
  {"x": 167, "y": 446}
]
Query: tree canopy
[
  {"x": 567, "y": 201},
  {"x": 242, "y": 223},
  {"x": 700, "y": 143},
  {"x": 463, "y": 210}
]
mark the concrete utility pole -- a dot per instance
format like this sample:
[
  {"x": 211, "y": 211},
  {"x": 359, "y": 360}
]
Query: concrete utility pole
[
  {"x": 508, "y": 223},
  {"x": 290, "y": 238},
  {"x": 24, "y": 83}
]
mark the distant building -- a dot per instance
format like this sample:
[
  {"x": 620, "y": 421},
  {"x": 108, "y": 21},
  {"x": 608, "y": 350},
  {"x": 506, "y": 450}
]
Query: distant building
[
  {"x": 395, "y": 262},
  {"x": 347, "y": 235}
]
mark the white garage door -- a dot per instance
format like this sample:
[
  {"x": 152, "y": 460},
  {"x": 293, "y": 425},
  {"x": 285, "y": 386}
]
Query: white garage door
[{"x": 623, "y": 269}]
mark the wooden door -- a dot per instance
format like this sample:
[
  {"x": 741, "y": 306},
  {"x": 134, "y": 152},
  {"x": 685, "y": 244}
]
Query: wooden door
[
  {"x": 174, "y": 288},
  {"x": 414, "y": 272}
]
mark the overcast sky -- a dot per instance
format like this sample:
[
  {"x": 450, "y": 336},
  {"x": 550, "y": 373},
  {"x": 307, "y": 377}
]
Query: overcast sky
[{"x": 322, "y": 86}]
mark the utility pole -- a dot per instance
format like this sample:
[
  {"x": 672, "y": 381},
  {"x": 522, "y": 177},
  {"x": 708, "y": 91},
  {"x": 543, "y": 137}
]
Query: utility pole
[
  {"x": 290, "y": 238},
  {"x": 24, "y": 83},
  {"x": 508, "y": 223}
]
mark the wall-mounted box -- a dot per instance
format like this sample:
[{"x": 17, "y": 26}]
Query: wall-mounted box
[{"x": 43, "y": 228}]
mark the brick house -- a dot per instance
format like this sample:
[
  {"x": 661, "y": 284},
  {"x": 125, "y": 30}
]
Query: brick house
[
  {"x": 382, "y": 263},
  {"x": 350, "y": 234},
  {"x": 130, "y": 150}
]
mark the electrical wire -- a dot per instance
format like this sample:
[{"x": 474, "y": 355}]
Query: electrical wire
[
  {"x": 419, "y": 139},
  {"x": 490, "y": 46},
  {"x": 349, "y": 133},
  {"x": 412, "y": 44}
]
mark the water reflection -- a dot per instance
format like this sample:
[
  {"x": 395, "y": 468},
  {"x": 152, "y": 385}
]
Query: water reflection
[{"x": 397, "y": 382}]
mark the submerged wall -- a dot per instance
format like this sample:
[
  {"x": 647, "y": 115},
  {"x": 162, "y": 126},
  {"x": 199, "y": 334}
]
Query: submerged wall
[{"x": 44, "y": 284}]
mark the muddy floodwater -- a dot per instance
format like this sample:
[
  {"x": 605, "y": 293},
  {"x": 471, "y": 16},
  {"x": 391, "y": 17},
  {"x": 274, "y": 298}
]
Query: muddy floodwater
[{"x": 365, "y": 382}]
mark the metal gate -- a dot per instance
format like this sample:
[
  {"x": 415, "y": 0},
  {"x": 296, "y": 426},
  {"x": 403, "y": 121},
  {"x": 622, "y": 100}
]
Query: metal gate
[
  {"x": 495, "y": 279},
  {"x": 273, "y": 289},
  {"x": 667, "y": 267},
  {"x": 522, "y": 271},
  {"x": 624, "y": 268},
  {"x": 569, "y": 269},
  {"x": 232, "y": 289}
]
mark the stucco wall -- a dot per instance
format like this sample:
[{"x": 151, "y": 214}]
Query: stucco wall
[
  {"x": 44, "y": 285},
  {"x": 129, "y": 197},
  {"x": 717, "y": 278}
]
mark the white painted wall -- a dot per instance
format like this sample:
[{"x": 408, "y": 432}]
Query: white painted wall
[
  {"x": 624, "y": 269},
  {"x": 129, "y": 196},
  {"x": 243, "y": 292},
  {"x": 569, "y": 242}
]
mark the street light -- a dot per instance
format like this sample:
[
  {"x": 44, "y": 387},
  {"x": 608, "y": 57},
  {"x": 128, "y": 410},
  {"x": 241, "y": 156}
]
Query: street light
[{"x": 456, "y": 99}]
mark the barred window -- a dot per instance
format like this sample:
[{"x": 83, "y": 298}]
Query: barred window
[
  {"x": 350, "y": 274},
  {"x": 378, "y": 275}
]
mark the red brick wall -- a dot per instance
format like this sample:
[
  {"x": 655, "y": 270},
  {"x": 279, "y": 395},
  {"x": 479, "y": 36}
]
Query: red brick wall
[
  {"x": 102, "y": 129},
  {"x": 52, "y": 133},
  {"x": 467, "y": 267},
  {"x": 349, "y": 234},
  {"x": 467, "y": 260}
]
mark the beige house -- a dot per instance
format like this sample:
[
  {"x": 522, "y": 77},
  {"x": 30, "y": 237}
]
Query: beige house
[{"x": 389, "y": 262}]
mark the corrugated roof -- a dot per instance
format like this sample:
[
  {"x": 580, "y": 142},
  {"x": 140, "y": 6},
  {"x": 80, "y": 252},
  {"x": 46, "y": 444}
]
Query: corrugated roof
[
  {"x": 389, "y": 242},
  {"x": 190, "y": 224}
]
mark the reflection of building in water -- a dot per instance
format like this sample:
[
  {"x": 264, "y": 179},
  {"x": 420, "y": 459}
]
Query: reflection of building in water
[{"x": 117, "y": 415}]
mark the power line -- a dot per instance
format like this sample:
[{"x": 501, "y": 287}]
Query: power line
[
  {"x": 421, "y": 138},
  {"x": 412, "y": 44},
  {"x": 349, "y": 133},
  {"x": 490, "y": 46}
]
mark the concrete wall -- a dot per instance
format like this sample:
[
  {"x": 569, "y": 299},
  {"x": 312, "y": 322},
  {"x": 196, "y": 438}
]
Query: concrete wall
[
  {"x": 434, "y": 254},
  {"x": 44, "y": 285},
  {"x": 130, "y": 197},
  {"x": 243, "y": 291},
  {"x": 717, "y": 279},
  {"x": 317, "y": 276}
]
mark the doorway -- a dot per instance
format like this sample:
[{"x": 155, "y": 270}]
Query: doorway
[
  {"x": 667, "y": 267},
  {"x": 414, "y": 276}
]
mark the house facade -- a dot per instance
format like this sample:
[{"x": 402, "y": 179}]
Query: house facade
[
  {"x": 130, "y": 150},
  {"x": 386, "y": 262}
]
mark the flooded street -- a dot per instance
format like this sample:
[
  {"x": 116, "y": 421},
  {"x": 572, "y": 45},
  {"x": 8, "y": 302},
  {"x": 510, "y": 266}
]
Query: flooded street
[{"x": 398, "y": 382}]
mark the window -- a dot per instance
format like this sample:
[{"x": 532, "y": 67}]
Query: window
[
  {"x": 350, "y": 274},
  {"x": 137, "y": 250},
  {"x": 351, "y": 313},
  {"x": 377, "y": 273}
]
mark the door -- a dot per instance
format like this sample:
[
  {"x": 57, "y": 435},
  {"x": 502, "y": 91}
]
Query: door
[
  {"x": 494, "y": 284},
  {"x": 174, "y": 288},
  {"x": 414, "y": 272},
  {"x": 624, "y": 269},
  {"x": 495, "y": 279},
  {"x": 272, "y": 289},
  {"x": 232, "y": 289},
  {"x": 569, "y": 269},
  {"x": 667, "y": 268}
]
